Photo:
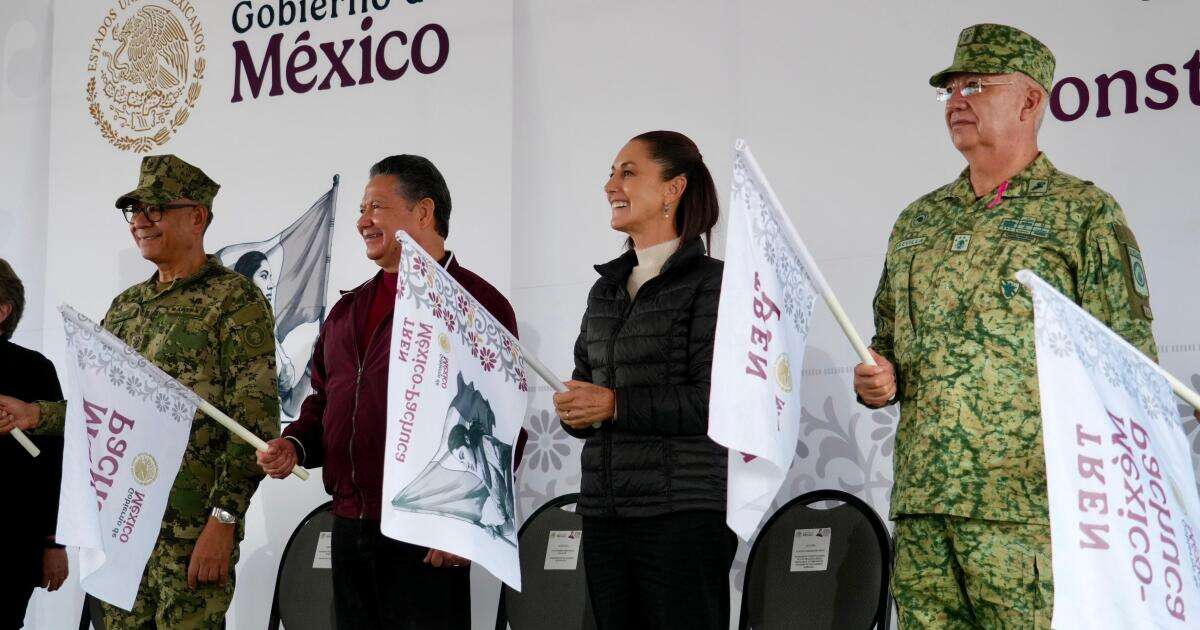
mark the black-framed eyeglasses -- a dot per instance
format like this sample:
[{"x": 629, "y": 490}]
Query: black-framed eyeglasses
[{"x": 153, "y": 214}]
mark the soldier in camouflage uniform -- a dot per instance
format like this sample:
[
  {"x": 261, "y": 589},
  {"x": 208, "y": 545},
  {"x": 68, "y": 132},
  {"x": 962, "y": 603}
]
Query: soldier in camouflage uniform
[
  {"x": 955, "y": 345},
  {"x": 210, "y": 328}
]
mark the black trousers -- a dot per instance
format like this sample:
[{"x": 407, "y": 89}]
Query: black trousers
[
  {"x": 382, "y": 584},
  {"x": 22, "y": 569},
  {"x": 659, "y": 572},
  {"x": 14, "y": 599}
]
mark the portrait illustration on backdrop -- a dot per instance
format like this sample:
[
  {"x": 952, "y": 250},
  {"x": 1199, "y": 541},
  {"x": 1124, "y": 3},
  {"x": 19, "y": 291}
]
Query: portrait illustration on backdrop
[{"x": 292, "y": 271}]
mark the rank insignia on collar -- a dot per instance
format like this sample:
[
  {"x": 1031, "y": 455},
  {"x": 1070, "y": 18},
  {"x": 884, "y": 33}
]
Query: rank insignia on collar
[
  {"x": 960, "y": 243},
  {"x": 1024, "y": 229},
  {"x": 1037, "y": 187}
]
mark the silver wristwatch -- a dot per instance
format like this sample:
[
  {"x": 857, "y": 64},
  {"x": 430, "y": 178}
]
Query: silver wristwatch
[{"x": 223, "y": 517}]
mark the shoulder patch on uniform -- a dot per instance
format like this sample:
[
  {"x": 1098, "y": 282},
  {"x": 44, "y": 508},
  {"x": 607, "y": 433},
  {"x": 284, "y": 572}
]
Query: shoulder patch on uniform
[
  {"x": 249, "y": 313},
  {"x": 1135, "y": 270},
  {"x": 255, "y": 336}
]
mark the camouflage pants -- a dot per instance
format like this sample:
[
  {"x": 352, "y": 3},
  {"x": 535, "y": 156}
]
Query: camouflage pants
[
  {"x": 954, "y": 572},
  {"x": 166, "y": 602}
]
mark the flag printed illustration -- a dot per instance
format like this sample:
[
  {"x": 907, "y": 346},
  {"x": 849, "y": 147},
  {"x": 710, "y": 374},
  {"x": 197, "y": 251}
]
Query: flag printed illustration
[
  {"x": 457, "y": 392},
  {"x": 767, "y": 299},
  {"x": 127, "y": 427},
  {"x": 292, "y": 270},
  {"x": 1124, "y": 506}
]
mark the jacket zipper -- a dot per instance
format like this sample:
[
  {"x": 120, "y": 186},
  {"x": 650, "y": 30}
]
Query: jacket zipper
[
  {"x": 358, "y": 355},
  {"x": 612, "y": 377}
]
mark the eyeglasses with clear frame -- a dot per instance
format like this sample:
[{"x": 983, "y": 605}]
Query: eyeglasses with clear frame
[
  {"x": 153, "y": 214},
  {"x": 967, "y": 89}
]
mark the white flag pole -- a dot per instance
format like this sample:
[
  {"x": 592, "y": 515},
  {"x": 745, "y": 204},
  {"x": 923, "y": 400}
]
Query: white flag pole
[
  {"x": 25, "y": 442},
  {"x": 1183, "y": 391},
  {"x": 242, "y": 432},
  {"x": 546, "y": 375},
  {"x": 542, "y": 371},
  {"x": 811, "y": 265},
  {"x": 1190, "y": 397}
]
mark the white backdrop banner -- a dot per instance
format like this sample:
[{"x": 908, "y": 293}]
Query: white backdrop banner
[
  {"x": 270, "y": 98},
  {"x": 128, "y": 425},
  {"x": 1124, "y": 511},
  {"x": 457, "y": 393},
  {"x": 525, "y": 96},
  {"x": 763, "y": 320}
]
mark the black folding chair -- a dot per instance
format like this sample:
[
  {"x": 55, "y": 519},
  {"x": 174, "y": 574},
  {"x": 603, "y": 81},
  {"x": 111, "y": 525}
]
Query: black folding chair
[
  {"x": 784, "y": 585},
  {"x": 303, "y": 594},
  {"x": 92, "y": 615},
  {"x": 555, "y": 599}
]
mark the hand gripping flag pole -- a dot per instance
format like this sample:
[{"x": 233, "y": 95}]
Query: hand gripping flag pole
[{"x": 242, "y": 432}]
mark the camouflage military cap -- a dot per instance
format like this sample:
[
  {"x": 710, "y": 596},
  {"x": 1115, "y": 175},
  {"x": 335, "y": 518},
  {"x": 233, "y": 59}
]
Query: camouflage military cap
[
  {"x": 165, "y": 178},
  {"x": 999, "y": 49}
]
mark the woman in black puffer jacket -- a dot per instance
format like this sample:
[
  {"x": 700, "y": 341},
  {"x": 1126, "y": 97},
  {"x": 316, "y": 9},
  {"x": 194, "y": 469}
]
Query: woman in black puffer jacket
[{"x": 655, "y": 545}]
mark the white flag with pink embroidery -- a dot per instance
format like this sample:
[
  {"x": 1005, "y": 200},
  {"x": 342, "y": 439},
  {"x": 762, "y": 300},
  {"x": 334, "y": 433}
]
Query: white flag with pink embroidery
[
  {"x": 127, "y": 427},
  {"x": 457, "y": 393},
  {"x": 767, "y": 298},
  {"x": 1124, "y": 507}
]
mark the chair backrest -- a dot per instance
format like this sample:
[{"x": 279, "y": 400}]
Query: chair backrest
[
  {"x": 551, "y": 598},
  {"x": 819, "y": 568},
  {"x": 92, "y": 615},
  {"x": 304, "y": 592}
]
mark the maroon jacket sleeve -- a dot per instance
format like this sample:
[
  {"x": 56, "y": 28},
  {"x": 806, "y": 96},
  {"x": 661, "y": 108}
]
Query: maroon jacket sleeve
[
  {"x": 307, "y": 432},
  {"x": 508, "y": 318},
  {"x": 498, "y": 306}
]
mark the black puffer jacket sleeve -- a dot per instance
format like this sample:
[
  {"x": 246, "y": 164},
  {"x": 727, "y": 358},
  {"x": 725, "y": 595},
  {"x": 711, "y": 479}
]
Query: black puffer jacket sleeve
[{"x": 582, "y": 372}]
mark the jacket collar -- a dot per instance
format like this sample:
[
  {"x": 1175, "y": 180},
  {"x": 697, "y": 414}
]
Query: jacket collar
[
  {"x": 1033, "y": 181},
  {"x": 449, "y": 262},
  {"x": 619, "y": 268},
  {"x": 151, "y": 288}
]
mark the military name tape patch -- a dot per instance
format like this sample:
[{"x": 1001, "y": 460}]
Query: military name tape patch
[{"x": 910, "y": 242}]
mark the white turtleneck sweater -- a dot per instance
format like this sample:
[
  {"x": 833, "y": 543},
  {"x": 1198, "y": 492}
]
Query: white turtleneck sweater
[{"x": 650, "y": 262}]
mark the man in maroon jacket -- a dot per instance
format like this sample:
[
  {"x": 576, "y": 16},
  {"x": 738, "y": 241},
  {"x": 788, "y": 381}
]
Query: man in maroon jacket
[{"x": 379, "y": 582}]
